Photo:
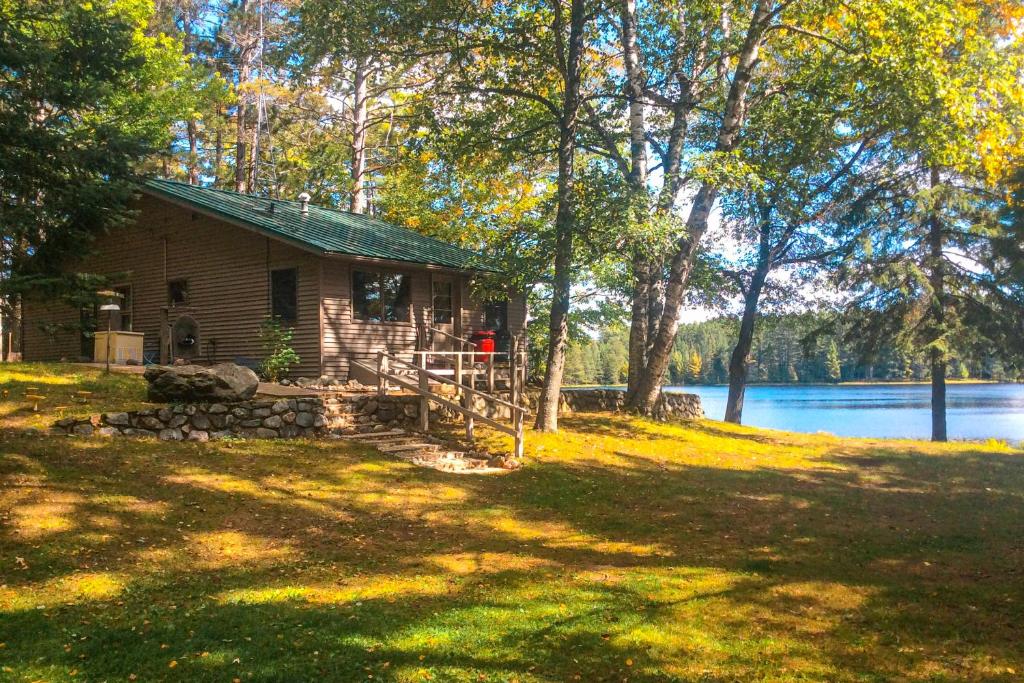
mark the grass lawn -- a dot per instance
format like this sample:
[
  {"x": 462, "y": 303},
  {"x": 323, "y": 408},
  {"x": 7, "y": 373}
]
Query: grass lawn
[{"x": 625, "y": 550}]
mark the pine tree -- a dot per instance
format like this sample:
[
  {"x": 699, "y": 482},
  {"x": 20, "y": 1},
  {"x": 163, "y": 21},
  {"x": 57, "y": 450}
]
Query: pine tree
[{"x": 833, "y": 366}]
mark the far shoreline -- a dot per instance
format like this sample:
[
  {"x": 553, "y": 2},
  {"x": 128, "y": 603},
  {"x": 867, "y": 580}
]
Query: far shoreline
[{"x": 851, "y": 383}]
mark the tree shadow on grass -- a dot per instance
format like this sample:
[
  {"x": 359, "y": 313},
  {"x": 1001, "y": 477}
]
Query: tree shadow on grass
[{"x": 320, "y": 561}]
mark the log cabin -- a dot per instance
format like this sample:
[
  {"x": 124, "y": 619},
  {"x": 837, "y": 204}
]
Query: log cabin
[{"x": 199, "y": 270}]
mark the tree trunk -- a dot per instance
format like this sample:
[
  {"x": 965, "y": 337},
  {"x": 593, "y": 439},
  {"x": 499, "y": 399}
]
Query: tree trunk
[
  {"x": 637, "y": 179},
  {"x": 738, "y": 361},
  {"x": 218, "y": 152},
  {"x": 565, "y": 225},
  {"x": 648, "y": 391},
  {"x": 937, "y": 279},
  {"x": 638, "y": 332},
  {"x": 193, "y": 153},
  {"x": 191, "y": 128},
  {"x": 241, "y": 127},
  {"x": 357, "y": 203}
]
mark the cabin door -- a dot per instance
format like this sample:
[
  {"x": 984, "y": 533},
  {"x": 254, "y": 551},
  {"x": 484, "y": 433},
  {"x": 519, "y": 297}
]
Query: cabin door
[{"x": 442, "y": 312}]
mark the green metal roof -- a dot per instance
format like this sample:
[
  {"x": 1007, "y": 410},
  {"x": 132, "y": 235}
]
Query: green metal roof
[{"x": 324, "y": 230}]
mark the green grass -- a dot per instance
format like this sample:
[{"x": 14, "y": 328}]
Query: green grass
[
  {"x": 625, "y": 550},
  {"x": 60, "y": 386}
]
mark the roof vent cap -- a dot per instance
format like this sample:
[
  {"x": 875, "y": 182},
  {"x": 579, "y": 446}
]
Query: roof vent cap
[{"x": 304, "y": 203}]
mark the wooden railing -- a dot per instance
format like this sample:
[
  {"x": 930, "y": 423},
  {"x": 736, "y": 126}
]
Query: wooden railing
[{"x": 415, "y": 377}]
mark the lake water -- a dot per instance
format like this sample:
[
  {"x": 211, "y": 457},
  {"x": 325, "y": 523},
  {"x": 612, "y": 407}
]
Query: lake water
[{"x": 974, "y": 411}]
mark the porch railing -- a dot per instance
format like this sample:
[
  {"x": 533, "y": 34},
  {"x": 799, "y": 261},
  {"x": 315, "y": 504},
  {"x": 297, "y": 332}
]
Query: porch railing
[{"x": 415, "y": 377}]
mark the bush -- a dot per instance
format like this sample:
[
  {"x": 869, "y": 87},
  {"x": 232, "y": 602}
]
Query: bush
[{"x": 277, "y": 347}]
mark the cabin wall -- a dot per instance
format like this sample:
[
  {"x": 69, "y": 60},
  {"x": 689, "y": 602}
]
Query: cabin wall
[
  {"x": 346, "y": 338},
  {"x": 227, "y": 269}
]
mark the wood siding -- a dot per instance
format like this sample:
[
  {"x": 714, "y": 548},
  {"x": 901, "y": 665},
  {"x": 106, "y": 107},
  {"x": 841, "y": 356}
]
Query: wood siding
[
  {"x": 345, "y": 338},
  {"x": 228, "y": 272},
  {"x": 227, "y": 269}
]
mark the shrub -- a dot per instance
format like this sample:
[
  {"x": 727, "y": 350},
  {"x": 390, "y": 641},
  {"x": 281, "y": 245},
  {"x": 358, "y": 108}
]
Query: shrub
[{"x": 277, "y": 347}]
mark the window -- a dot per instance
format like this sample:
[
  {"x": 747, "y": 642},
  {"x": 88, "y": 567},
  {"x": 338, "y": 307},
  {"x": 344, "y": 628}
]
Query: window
[
  {"x": 123, "y": 319},
  {"x": 496, "y": 316},
  {"x": 381, "y": 297},
  {"x": 442, "y": 302},
  {"x": 284, "y": 302},
  {"x": 177, "y": 292}
]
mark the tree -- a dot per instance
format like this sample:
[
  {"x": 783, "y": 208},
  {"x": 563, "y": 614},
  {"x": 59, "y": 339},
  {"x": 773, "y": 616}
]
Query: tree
[
  {"x": 833, "y": 365},
  {"x": 693, "y": 368},
  {"x": 759, "y": 47},
  {"x": 87, "y": 94}
]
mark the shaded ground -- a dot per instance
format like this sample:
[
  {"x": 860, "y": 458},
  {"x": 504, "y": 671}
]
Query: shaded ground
[{"x": 625, "y": 550}]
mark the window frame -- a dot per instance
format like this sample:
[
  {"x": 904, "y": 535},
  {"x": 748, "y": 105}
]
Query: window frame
[
  {"x": 127, "y": 306},
  {"x": 379, "y": 277},
  {"x": 292, "y": 322},
  {"x": 188, "y": 296},
  {"x": 450, "y": 284}
]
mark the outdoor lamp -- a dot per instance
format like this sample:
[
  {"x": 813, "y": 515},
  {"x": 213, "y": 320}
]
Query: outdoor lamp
[{"x": 109, "y": 302}]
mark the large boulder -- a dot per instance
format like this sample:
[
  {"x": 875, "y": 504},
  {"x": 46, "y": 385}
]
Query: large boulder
[{"x": 195, "y": 383}]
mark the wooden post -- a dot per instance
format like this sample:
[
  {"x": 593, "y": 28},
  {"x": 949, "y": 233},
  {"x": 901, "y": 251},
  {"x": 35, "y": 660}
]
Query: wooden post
[
  {"x": 382, "y": 370},
  {"x": 424, "y": 390},
  {"x": 490, "y": 373},
  {"x": 515, "y": 397},
  {"x": 458, "y": 370}
]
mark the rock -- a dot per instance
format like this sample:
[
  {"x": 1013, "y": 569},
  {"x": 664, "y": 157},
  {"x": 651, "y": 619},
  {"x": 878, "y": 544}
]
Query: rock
[
  {"x": 319, "y": 421},
  {"x": 223, "y": 434},
  {"x": 304, "y": 419},
  {"x": 379, "y": 428},
  {"x": 273, "y": 422},
  {"x": 289, "y": 431},
  {"x": 108, "y": 431},
  {"x": 200, "y": 421},
  {"x": 264, "y": 433},
  {"x": 285, "y": 382},
  {"x": 325, "y": 380},
  {"x": 170, "y": 435},
  {"x": 279, "y": 407},
  {"x": 386, "y": 413},
  {"x": 217, "y": 408},
  {"x": 261, "y": 412},
  {"x": 164, "y": 414},
  {"x": 65, "y": 422},
  {"x": 150, "y": 423},
  {"x": 240, "y": 412},
  {"x": 370, "y": 407},
  {"x": 143, "y": 433},
  {"x": 289, "y": 417},
  {"x": 177, "y": 421},
  {"x": 190, "y": 383},
  {"x": 411, "y": 410},
  {"x": 251, "y": 423},
  {"x": 119, "y": 419},
  {"x": 303, "y": 382},
  {"x": 198, "y": 435},
  {"x": 83, "y": 429}
]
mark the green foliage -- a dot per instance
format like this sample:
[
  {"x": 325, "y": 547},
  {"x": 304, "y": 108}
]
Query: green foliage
[
  {"x": 833, "y": 365},
  {"x": 279, "y": 355},
  {"x": 87, "y": 93}
]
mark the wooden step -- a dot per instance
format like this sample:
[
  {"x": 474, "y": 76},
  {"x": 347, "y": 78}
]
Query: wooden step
[
  {"x": 375, "y": 435},
  {"x": 412, "y": 446}
]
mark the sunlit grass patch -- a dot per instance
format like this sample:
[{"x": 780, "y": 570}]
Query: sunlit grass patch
[{"x": 624, "y": 550}]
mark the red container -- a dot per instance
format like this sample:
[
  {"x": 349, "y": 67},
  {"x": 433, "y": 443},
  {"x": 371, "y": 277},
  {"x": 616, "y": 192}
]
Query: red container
[{"x": 484, "y": 342}]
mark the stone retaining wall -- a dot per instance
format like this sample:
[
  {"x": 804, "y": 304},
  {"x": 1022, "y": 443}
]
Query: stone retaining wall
[
  {"x": 309, "y": 417},
  {"x": 262, "y": 419},
  {"x": 672, "y": 406}
]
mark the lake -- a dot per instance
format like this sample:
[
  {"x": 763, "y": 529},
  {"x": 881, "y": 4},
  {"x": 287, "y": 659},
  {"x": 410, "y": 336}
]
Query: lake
[{"x": 974, "y": 411}]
